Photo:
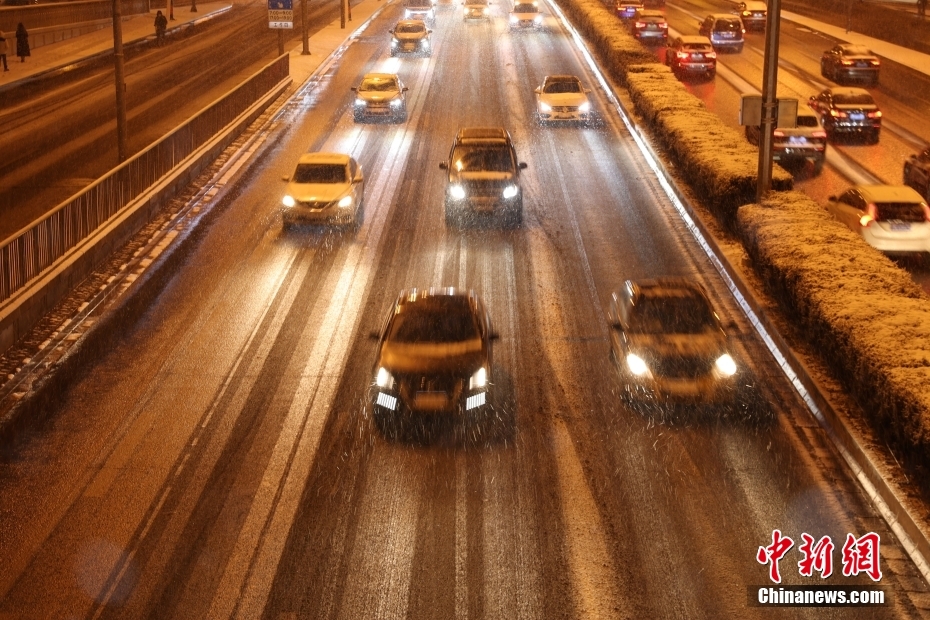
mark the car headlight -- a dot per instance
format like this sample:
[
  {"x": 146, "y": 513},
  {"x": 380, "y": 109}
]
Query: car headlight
[
  {"x": 726, "y": 366},
  {"x": 544, "y": 107},
  {"x": 425, "y": 42},
  {"x": 457, "y": 191},
  {"x": 288, "y": 201},
  {"x": 510, "y": 191},
  {"x": 394, "y": 42},
  {"x": 513, "y": 19},
  {"x": 537, "y": 19},
  {"x": 585, "y": 107},
  {"x": 484, "y": 11},
  {"x": 637, "y": 365},
  {"x": 345, "y": 201},
  {"x": 396, "y": 102},
  {"x": 359, "y": 102},
  {"x": 406, "y": 14},
  {"x": 384, "y": 379},
  {"x": 479, "y": 379}
]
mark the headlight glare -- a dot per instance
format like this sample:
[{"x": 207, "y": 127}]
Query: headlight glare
[
  {"x": 537, "y": 19},
  {"x": 359, "y": 102},
  {"x": 345, "y": 201},
  {"x": 585, "y": 107},
  {"x": 384, "y": 379},
  {"x": 288, "y": 201},
  {"x": 479, "y": 379},
  {"x": 396, "y": 102},
  {"x": 544, "y": 107},
  {"x": 637, "y": 365},
  {"x": 513, "y": 19},
  {"x": 510, "y": 191},
  {"x": 394, "y": 42},
  {"x": 726, "y": 365},
  {"x": 457, "y": 191}
]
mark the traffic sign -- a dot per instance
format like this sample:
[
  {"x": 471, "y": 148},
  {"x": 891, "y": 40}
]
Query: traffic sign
[{"x": 280, "y": 13}]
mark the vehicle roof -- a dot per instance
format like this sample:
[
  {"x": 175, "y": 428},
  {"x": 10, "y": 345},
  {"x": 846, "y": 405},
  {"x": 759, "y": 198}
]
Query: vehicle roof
[
  {"x": 411, "y": 296},
  {"x": 889, "y": 193},
  {"x": 482, "y": 134},
  {"x": 669, "y": 286},
  {"x": 726, "y": 16},
  {"x": 409, "y": 22},
  {"x": 636, "y": 2},
  {"x": 381, "y": 76},
  {"x": 755, "y": 5},
  {"x": 695, "y": 38},
  {"x": 561, "y": 78},
  {"x": 524, "y": 3},
  {"x": 650, "y": 13},
  {"x": 324, "y": 158},
  {"x": 856, "y": 48},
  {"x": 849, "y": 91}
]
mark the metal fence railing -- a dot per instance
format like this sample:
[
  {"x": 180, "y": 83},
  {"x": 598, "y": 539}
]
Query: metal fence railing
[
  {"x": 35, "y": 16},
  {"x": 28, "y": 253}
]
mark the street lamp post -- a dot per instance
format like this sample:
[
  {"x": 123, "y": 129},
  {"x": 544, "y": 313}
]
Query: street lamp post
[{"x": 769, "y": 104}]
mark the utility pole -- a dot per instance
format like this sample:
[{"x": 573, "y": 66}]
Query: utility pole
[
  {"x": 342, "y": 13},
  {"x": 769, "y": 103},
  {"x": 121, "y": 147},
  {"x": 304, "y": 28},
  {"x": 193, "y": 6}
]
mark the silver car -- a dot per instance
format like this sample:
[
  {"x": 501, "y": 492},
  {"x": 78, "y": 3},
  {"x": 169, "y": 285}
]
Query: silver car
[
  {"x": 411, "y": 36},
  {"x": 562, "y": 98},
  {"x": 894, "y": 219},
  {"x": 325, "y": 188}
]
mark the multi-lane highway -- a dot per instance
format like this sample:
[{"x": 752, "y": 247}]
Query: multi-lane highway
[{"x": 221, "y": 461}]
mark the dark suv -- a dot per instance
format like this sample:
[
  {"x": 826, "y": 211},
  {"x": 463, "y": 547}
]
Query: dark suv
[
  {"x": 724, "y": 31},
  {"x": 483, "y": 176},
  {"x": 806, "y": 142},
  {"x": 434, "y": 357},
  {"x": 850, "y": 111},
  {"x": 691, "y": 55}
]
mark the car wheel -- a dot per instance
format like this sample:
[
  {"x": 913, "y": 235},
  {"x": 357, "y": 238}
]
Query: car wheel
[
  {"x": 712, "y": 74},
  {"x": 359, "y": 216},
  {"x": 823, "y": 69},
  {"x": 515, "y": 216},
  {"x": 874, "y": 136},
  {"x": 286, "y": 225},
  {"x": 452, "y": 220},
  {"x": 907, "y": 175},
  {"x": 357, "y": 117},
  {"x": 739, "y": 49},
  {"x": 818, "y": 167}
]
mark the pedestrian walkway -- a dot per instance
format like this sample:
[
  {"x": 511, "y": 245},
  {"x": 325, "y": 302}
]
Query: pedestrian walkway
[
  {"x": 901, "y": 55},
  {"x": 64, "y": 55}
]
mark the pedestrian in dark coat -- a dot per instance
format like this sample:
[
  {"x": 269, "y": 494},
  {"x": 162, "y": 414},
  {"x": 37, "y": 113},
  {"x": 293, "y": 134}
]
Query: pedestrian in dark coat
[
  {"x": 161, "y": 24},
  {"x": 4, "y": 50},
  {"x": 22, "y": 42}
]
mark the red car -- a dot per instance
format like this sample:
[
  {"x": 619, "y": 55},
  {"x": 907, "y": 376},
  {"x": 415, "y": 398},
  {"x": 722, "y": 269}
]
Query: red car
[
  {"x": 649, "y": 26},
  {"x": 691, "y": 55}
]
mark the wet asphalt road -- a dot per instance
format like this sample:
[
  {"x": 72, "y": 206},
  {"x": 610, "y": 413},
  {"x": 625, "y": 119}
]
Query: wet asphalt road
[{"x": 222, "y": 462}]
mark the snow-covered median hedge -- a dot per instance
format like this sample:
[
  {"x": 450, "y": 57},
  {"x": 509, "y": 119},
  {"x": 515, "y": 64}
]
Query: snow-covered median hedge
[
  {"x": 865, "y": 314},
  {"x": 715, "y": 159}
]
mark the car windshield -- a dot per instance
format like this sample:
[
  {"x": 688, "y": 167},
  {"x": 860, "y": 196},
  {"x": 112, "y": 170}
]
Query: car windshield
[
  {"x": 525, "y": 8},
  {"x": 379, "y": 85},
  {"x": 320, "y": 173},
  {"x": 900, "y": 211},
  {"x": 853, "y": 99},
  {"x": 563, "y": 86},
  {"x": 482, "y": 158},
  {"x": 419, "y": 4},
  {"x": 807, "y": 121},
  {"x": 694, "y": 47},
  {"x": 857, "y": 50},
  {"x": 410, "y": 28},
  {"x": 434, "y": 319},
  {"x": 728, "y": 25},
  {"x": 672, "y": 315}
]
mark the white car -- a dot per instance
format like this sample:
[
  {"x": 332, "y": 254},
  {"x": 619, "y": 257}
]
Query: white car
[
  {"x": 753, "y": 13},
  {"x": 380, "y": 95},
  {"x": 325, "y": 188},
  {"x": 894, "y": 219},
  {"x": 476, "y": 9},
  {"x": 562, "y": 98},
  {"x": 525, "y": 15}
]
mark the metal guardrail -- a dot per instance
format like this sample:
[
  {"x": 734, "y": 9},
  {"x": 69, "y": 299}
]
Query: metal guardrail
[
  {"x": 36, "y": 16},
  {"x": 28, "y": 253}
]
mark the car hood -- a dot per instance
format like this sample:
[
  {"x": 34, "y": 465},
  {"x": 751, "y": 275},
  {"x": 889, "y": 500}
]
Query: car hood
[
  {"x": 377, "y": 96},
  {"x": 708, "y": 344},
  {"x": 471, "y": 6},
  {"x": 524, "y": 16},
  {"x": 410, "y": 36},
  {"x": 480, "y": 175},
  {"x": 566, "y": 99},
  {"x": 462, "y": 357},
  {"x": 317, "y": 192}
]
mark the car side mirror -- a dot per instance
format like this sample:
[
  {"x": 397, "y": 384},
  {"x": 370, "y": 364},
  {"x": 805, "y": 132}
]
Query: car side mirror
[
  {"x": 358, "y": 178},
  {"x": 523, "y": 165},
  {"x": 374, "y": 336},
  {"x": 404, "y": 89},
  {"x": 494, "y": 336},
  {"x": 429, "y": 32},
  {"x": 391, "y": 31},
  {"x": 286, "y": 177},
  {"x": 443, "y": 165},
  {"x": 354, "y": 89},
  {"x": 538, "y": 90},
  {"x": 832, "y": 198}
]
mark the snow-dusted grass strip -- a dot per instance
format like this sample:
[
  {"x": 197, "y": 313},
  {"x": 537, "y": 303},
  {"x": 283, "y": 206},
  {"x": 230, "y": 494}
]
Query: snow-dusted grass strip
[
  {"x": 864, "y": 313},
  {"x": 715, "y": 159}
]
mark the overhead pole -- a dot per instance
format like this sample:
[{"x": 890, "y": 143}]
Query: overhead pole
[
  {"x": 769, "y": 102},
  {"x": 119, "y": 70},
  {"x": 304, "y": 34}
]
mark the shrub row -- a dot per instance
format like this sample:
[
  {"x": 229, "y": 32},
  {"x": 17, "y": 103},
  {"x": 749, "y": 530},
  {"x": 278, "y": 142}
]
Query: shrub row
[
  {"x": 869, "y": 318},
  {"x": 715, "y": 159}
]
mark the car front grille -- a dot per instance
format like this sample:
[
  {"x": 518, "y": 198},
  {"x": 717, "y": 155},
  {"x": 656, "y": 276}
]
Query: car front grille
[
  {"x": 563, "y": 109},
  {"x": 681, "y": 367},
  {"x": 316, "y": 205}
]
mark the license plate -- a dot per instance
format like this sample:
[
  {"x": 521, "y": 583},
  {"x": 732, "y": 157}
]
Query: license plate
[
  {"x": 797, "y": 140},
  {"x": 900, "y": 226},
  {"x": 651, "y": 27},
  {"x": 857, "y": 117},
  {"x": 862, "y": 64},
  {"x": 726, "y": 35},
  {"x": 697, "y": 56}
]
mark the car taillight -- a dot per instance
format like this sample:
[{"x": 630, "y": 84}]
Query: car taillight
[
  {"x": 848, "y": 63},
  {"x": 663, "y": 25},
  {"x": 743, "y": 30},
  {"x": 926, "y": 211},
  {"x": 640, "y": 24},
  {"x": 779, "y": 134},
  {"x": 870, "y": 215},
  {"x": 838, "y": 113},
  {"x": 875, "y": 114},
  {"x": 746, "y": 13},
  {"x": 711, "y": 54},
  {"x": 682, "y": 55},
  {"x": 875, "y": 63},
  {"x": 820, "y": 134}
]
